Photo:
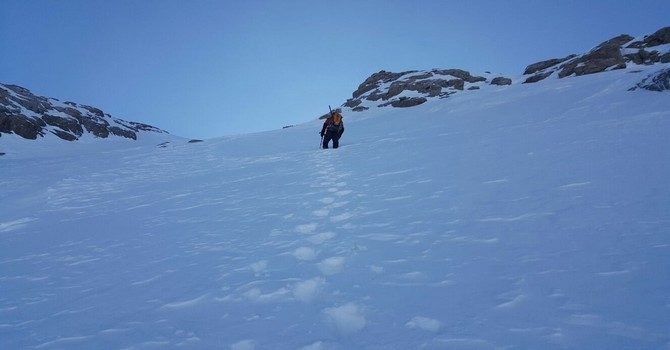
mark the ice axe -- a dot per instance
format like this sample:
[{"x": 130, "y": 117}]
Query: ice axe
[{"x": 321, "y": 142}]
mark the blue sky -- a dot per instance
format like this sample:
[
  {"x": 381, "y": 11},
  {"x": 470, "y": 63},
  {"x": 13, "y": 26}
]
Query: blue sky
[{"x": 202, "y": 69}]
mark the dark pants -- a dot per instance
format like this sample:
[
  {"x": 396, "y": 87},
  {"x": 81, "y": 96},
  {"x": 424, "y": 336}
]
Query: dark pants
[{"x": 331, "y": 136}]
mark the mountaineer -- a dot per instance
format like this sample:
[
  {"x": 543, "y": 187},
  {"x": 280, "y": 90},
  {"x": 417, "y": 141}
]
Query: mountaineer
[{"x": 332, "y": 129}]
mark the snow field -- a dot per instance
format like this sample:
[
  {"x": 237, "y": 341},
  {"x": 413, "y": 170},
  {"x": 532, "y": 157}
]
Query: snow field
[{"x": 529, "y": 216}]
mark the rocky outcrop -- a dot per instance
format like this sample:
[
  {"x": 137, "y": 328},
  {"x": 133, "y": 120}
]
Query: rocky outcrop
[
  {"x": 659, "y": 81},
  {"x": 540, "y": 66},
  {"x": 404, "y": 102},
  {"x": 604, "y": 57},
  {"x": 411, "y": 88},
  {"x": 500, "y": 81},
  {"x": 612, "y": 54},
  {"x": 30, "y": 116},
  {"x": 375, "y": 80},
  {"x": 660, "y": 37}
]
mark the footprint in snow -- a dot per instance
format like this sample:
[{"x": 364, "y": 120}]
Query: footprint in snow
[
  {"x": 327, "y": 200},
  {"x": 306, "y": 228},
  {"x": 321, "y": 212}
]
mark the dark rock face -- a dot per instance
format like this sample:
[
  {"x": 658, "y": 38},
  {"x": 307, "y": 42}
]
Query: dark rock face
[
  {"x": 642, "y": 56},
  {"x": 605, "y": 56},
  {"x": 460, "y": 74},
  {"x": 67, "y": 125},
  {"x": 404, "y": 102},
  {"x": 660, "y": 37},
  {"x": 645, "y": 57},
  {"x": 537, "y": 77},
  {"x": 408, "y": 102},
  {"x": 30, "y": 116},
  {"x": 539, "y": 66},
  {"x": 659, "y": 81},
  {"x": 375, "y": 80},
  {"x": 501, "y": 81},
  {"x": 612, "y": 54},
  {"x": 28, "y": 128}
]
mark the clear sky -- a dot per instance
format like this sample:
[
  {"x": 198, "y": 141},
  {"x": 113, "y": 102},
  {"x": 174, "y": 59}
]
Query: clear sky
[{"x": 207, "y": 68}]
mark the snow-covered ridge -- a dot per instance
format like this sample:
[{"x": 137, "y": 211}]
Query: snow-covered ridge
[
  {"x": 620, "y": 52},
  {"x": 411, "y": 88},
  {"x": 30, "y": 116}
]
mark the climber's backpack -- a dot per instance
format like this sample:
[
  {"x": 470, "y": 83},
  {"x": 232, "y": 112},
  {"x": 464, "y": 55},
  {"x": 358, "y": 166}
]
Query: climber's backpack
[{"x": 335, "y": 124}]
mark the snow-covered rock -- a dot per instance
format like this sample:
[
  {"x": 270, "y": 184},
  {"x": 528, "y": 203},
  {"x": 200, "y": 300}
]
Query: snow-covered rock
[
  {"x": 412, "y": 88},
  {"x": 30, "y": 116},
  {"x": 615, "y": 53}
]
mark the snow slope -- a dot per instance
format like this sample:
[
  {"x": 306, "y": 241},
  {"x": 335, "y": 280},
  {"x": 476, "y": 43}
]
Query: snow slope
[{"x": 532, "y": 216}]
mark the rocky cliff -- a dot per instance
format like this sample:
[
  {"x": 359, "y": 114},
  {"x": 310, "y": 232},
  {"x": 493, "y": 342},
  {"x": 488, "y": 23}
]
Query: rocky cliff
[
  {"x": 30, "y": 116},
  {"x": 616, "y": 53},
  {"x": 411, "y": 88}
]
